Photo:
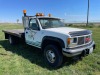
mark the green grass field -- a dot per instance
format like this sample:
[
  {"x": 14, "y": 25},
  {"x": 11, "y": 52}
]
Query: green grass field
[{"x": 25, "y": 60}]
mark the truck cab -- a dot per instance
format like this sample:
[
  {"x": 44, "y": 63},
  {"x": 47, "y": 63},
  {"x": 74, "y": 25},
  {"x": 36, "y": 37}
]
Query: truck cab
[{"x": 39, "y": 27}]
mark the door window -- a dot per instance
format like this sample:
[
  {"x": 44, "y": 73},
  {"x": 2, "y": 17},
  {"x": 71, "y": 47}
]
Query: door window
[{"x": 33, "y": 24}]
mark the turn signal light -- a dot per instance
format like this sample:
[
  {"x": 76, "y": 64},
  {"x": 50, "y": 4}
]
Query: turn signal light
[
  {"x": 49, "y": 15},
  {"x": 24, "y": 11},
  {"x": 39, "y": 14},
  {"x": 68, "y": 41}
]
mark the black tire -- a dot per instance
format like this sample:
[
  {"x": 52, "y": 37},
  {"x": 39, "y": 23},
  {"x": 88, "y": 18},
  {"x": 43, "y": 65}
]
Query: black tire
[
  {"x": 58, "y": 59},
  {"x": 11, "y": 40}
]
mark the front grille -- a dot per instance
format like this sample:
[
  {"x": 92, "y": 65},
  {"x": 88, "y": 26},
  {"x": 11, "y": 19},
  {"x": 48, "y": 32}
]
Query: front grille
[
  {"x": 84, "y": 40},
  {"x": 81, "y": 40}
]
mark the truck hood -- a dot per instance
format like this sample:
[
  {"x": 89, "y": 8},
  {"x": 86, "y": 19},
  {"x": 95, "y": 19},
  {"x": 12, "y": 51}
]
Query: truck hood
[{"x": 64, "y": 30}]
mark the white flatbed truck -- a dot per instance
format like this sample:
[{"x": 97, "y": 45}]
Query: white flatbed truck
[{"x": 53, "y": 37}]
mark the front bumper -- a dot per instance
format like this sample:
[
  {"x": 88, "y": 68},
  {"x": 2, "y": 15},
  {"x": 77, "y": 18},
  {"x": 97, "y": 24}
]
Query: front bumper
[{"x": 70, "y": 52}]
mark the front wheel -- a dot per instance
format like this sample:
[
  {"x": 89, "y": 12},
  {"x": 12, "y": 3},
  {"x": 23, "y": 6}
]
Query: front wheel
[{"x": 53, "y": 55}]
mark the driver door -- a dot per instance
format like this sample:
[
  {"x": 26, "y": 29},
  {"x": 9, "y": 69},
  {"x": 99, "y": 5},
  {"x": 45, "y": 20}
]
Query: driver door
[{"x": 31, "y": 32}]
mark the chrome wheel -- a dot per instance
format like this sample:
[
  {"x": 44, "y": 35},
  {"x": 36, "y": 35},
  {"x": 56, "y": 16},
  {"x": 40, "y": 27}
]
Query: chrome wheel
[
  {"x": 50, "y": 55},
  {"x": 53, "y": 56}
]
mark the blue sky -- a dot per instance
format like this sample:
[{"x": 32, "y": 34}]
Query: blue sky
[{"x": 70, "y": 10}]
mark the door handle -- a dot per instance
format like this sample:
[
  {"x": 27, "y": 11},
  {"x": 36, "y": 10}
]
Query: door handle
[{"x": 26, "y": 32}]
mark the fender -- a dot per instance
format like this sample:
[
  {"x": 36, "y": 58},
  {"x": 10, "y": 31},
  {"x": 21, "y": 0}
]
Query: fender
[{"x": 60, "y": 41}]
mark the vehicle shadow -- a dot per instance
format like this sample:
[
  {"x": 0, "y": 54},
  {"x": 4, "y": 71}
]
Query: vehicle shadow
[{"x": 30, "y": 53}]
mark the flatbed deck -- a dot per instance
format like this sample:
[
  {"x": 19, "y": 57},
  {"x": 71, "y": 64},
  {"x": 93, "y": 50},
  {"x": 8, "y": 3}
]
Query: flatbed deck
[{"x": 15, "y": 32}]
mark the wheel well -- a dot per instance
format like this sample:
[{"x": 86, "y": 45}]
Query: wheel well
[
  {"x": 6, "y": 36},
  {"x": 47, "y": 42}
]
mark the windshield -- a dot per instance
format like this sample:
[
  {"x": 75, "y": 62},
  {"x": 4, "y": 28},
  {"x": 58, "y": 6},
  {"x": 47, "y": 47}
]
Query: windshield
[{"x": 51, "y": 23}]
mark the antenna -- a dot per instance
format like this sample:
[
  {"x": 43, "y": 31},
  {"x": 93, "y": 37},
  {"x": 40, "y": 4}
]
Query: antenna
[{"x": 88, "y": 13}]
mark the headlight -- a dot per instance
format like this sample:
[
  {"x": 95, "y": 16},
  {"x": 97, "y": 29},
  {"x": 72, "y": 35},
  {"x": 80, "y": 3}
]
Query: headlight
[{"x": 72, "y": 42}]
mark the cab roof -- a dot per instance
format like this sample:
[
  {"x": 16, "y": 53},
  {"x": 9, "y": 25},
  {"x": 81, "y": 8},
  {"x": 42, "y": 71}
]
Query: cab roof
[
  {"x": 47, "y": 17},
  {"x": 41, "y": 17}
]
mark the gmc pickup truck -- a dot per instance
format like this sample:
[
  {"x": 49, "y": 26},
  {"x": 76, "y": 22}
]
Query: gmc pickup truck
[{"x": 52, "y": 36}]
